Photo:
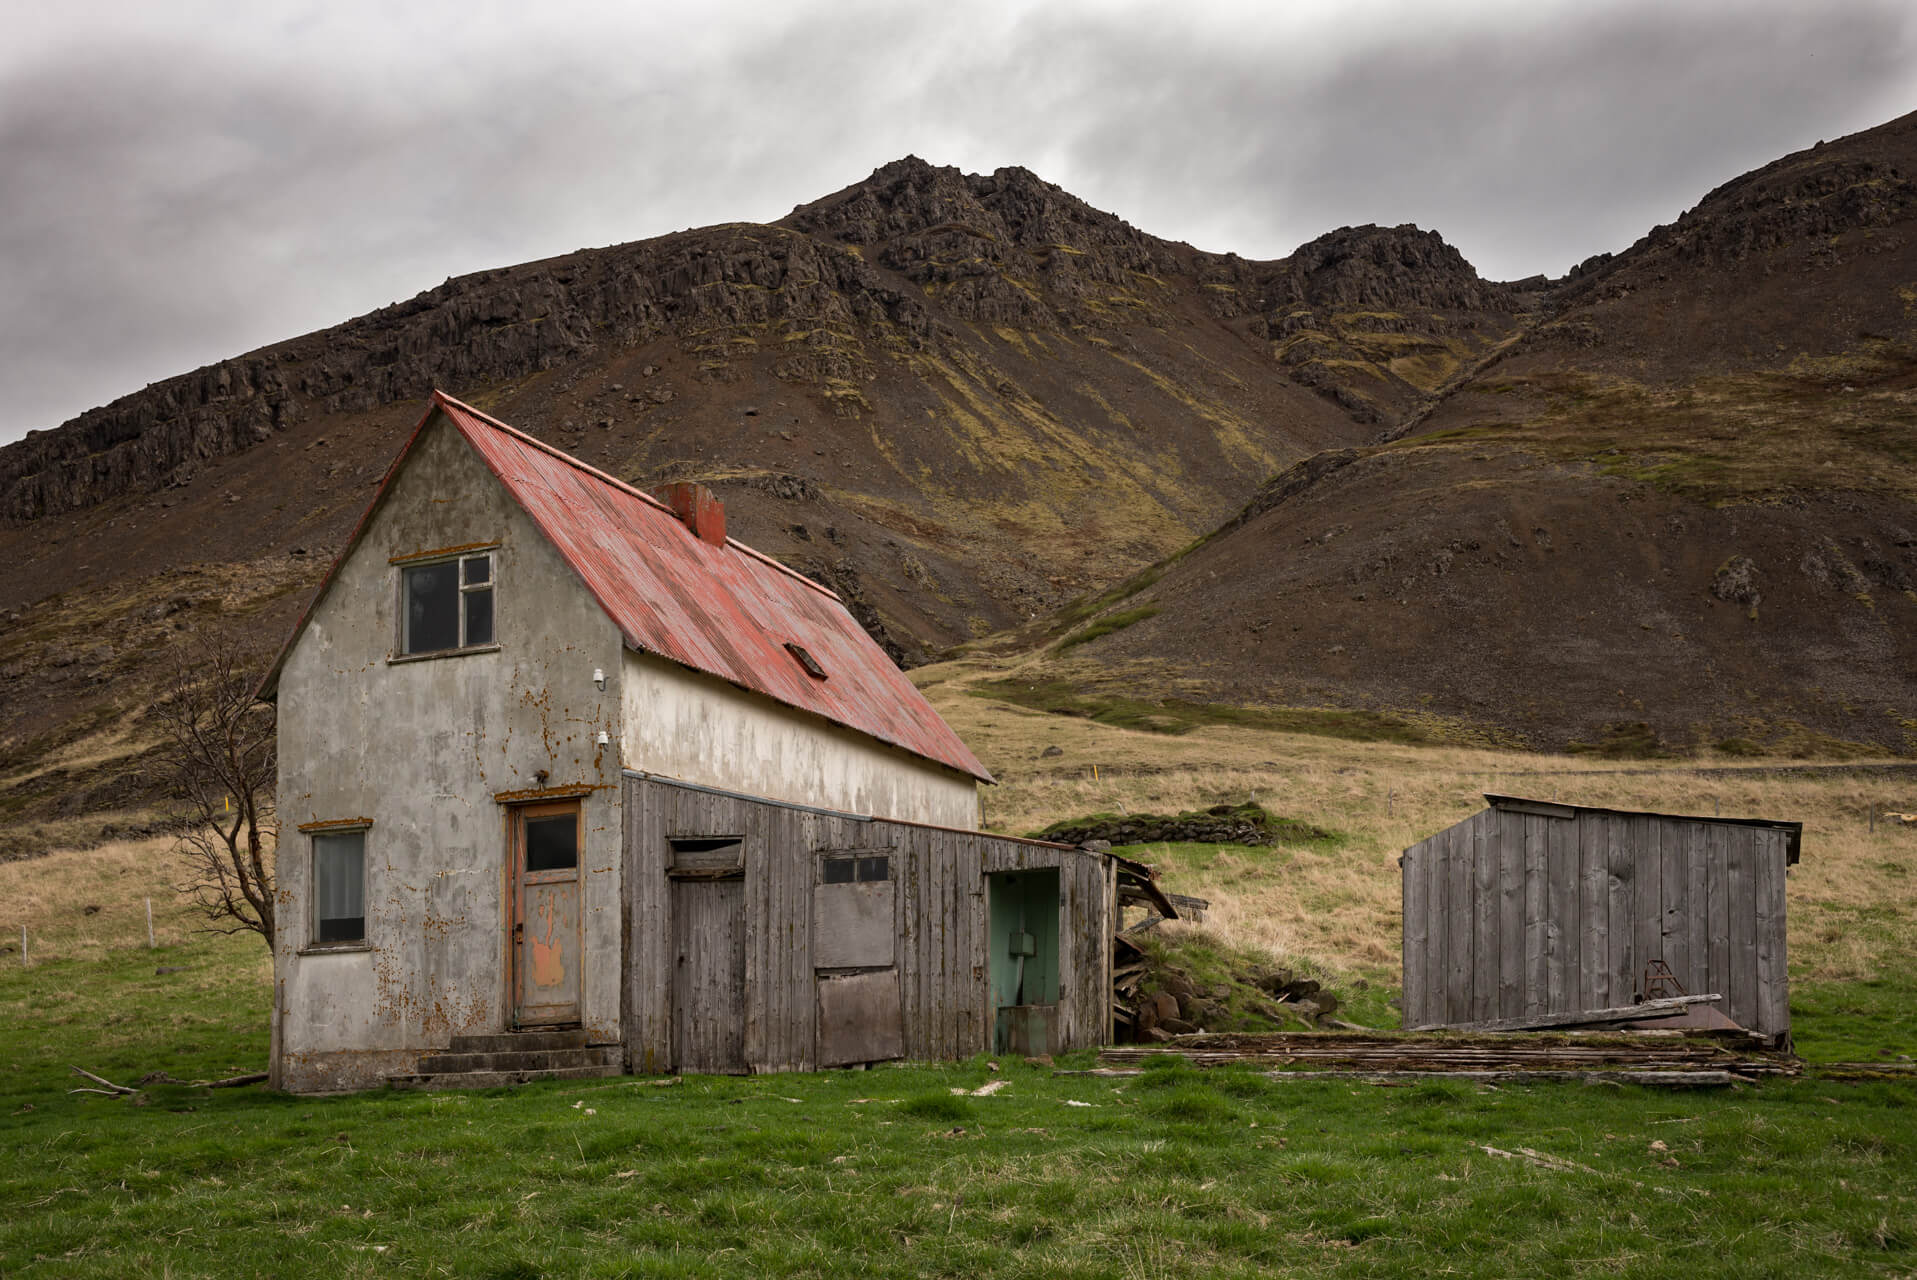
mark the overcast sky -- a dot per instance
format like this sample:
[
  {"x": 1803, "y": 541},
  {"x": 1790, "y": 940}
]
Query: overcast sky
[{"x": 185, "y": 181}]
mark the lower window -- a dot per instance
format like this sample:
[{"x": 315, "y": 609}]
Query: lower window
[{"x": 339, "y": 886}]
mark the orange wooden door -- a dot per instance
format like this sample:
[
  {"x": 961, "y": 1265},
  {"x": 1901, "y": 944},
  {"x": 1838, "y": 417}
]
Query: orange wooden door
[{"x": 545, "y": 955}]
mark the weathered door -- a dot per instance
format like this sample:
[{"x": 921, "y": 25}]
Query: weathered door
[
  {"x": 708, "y": 971},
  {"x": 545, "y": 952}
]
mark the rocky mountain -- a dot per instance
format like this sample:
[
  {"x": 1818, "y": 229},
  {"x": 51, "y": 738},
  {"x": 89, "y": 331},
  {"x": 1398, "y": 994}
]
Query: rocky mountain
[
  {"x": 960, "y": 400},
  {"x": 1676, "y": 508}
]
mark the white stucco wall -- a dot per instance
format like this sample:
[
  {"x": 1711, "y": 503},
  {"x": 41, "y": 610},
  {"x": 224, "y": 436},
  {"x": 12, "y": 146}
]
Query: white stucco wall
[
  {"x": 422, "y": 748},
  {"x": 696, "y": 728}
]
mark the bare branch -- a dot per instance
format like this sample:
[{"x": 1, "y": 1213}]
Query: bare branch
[{"x": 219, "y": 752}]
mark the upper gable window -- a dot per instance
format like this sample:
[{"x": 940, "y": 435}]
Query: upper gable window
[{"x": 446, "y": 605}]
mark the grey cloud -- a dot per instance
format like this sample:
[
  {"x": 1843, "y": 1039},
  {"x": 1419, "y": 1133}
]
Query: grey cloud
[{"x": 169, "y": 203}]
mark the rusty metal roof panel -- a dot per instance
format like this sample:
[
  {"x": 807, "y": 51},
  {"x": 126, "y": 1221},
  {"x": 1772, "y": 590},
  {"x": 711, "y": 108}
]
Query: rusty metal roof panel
[{"x": 722, "y": 609}]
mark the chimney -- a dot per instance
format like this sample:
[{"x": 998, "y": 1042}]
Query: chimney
[{"x": 698, "y": 508}]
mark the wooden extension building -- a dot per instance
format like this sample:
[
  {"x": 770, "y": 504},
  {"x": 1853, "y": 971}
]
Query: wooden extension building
[
  {"x": 770, "y": 936},
  {"x": 1531, "y": 907}
]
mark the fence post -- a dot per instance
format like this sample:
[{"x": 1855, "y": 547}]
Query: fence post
[
  {"x": 23, "y": 946},
  {"x": 149, "y": 925}
]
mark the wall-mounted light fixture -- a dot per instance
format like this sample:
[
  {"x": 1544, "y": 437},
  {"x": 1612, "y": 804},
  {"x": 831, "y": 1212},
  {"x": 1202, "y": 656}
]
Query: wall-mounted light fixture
[{"x": 599, "y": 679}]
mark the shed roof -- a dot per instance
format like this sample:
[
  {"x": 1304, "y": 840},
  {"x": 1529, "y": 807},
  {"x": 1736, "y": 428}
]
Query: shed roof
[
  {"x": 1793, "y": 830},
  {"x": 728, "y": 611}
]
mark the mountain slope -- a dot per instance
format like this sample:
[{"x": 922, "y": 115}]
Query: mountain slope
[
  {"x": 1681, "y": 510},
  {"x": 959, "y": 400}
]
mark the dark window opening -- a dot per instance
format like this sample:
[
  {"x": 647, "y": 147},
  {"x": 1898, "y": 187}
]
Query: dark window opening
[
  {"x": 806, "y": 660},
  {"x": 339, "y": 887},
  {"x": 447, "y": 605},
  {"x": 863, "y": 870},
  {"x": 552, "y": 844},
  {"x": 702, "y": 844},
  {"x": 432, "y": 607}
]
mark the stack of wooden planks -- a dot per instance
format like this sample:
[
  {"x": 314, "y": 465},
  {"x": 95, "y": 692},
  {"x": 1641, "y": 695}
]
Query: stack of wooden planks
[{"x": 1643, "y": 1057}]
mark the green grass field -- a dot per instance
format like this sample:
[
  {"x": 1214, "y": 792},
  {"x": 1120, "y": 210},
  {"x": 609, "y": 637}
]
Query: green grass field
[{"x": 888, "y": 1172}]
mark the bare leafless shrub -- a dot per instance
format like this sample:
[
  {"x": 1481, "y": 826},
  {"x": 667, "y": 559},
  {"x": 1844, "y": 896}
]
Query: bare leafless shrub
[{"x": 218, "y": 752}]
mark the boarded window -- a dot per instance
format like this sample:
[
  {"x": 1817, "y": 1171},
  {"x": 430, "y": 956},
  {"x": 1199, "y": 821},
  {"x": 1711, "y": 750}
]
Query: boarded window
[
  {"x": 860, "y": 1019},
  {"x": 339, "y": 886},
  {"x": 707, "y": 856},
  {"x": 447, "y": 605},
  {"x": 854, "y": 921}
]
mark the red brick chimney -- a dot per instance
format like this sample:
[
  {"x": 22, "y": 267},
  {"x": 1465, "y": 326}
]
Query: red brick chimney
[{"x": 698, "y": 508}]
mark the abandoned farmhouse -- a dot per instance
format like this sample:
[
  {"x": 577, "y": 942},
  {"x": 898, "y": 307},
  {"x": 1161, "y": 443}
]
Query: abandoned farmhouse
[{"x": 570, "y": 780}]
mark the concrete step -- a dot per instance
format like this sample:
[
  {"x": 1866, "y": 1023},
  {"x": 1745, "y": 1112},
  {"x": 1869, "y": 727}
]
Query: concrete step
[
  {"x": 601, "y": 1055},
  {"x": 573, "y": 1038},
  {"x": 497, "y": 1079}
]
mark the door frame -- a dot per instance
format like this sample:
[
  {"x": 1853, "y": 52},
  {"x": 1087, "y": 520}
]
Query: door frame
[{"x": 517, "y": 878}]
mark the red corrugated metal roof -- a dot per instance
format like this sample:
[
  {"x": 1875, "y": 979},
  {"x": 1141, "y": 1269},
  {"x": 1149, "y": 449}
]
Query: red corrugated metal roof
[{"x": 726, "y": 610}]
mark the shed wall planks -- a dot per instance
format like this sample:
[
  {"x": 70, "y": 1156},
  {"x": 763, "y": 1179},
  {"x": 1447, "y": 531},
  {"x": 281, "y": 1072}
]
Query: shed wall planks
[
  {"x": 1513, "y": 913},
  {"x": 1417, "y": 934},
  {"x": 940, "y": 910}
]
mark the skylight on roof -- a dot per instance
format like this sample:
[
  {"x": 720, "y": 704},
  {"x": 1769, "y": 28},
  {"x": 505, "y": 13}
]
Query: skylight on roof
[{"x": 806, "y": 660}]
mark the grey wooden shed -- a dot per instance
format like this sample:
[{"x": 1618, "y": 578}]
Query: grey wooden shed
[{"x": 1532, "y": 907}]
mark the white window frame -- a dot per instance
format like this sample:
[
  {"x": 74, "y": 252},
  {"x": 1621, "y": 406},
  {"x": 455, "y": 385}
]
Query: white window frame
[{"x": 490, "y": 554}]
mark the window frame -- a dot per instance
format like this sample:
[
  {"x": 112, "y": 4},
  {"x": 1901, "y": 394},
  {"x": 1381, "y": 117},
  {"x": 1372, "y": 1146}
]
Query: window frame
[
  {"x": 858, "y": 861},
  {"x": 459, "y": 558},
  {"x": 316, "y": 832}
]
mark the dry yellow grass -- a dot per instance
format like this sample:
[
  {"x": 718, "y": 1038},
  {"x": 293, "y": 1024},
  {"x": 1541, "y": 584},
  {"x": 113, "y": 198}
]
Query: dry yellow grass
[
  {"x": 50, "y": 896},
  {"x": 1853, "y": 900}
]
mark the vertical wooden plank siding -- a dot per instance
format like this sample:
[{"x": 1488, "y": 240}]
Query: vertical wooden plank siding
[
  {"x": 1484, "y": 920},
  {"x": 649, "y": 976},
  {"x": 942, "y": 926},
  {"x": 1561, "y": 910},
  {"x": 1416, "y": 932},
  {"x": 1594, "y": 987},
  {"x": 1621, "y": 891},
  {"x": 972, "y": 990},
  {"x": 1510, "y": 914},
  {"x": 1773, "y": 981},
  {"x": 1535, "y": 906},
  {"x": 1741, "y": 858},
  {"x": 1717, "y": 972},
  {"x": 1647, "y": 926},
  {"x": 1673, "y": 938},
  {"x": 1697, "y": 924},
  {"x": 1458, "y": 925},
  {"x": 1510, "y": 895},
  {"x": 1438, "y": 972}
]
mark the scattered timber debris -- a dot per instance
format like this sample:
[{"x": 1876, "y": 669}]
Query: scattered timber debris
[
  {"x": 112, "y": 1090},
  {"x": 1640, "y": 1057},
  {"x": 1579, "y": 1018}
]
